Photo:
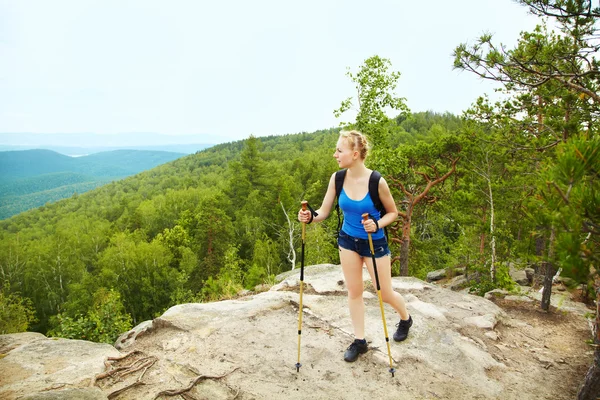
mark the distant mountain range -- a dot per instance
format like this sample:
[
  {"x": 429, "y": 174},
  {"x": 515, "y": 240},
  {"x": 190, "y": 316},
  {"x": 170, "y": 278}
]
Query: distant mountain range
[
  {"x": 79, "y": 144},
  {"x": 84, "y": 151},
  {"x": 31, "y": 178}
]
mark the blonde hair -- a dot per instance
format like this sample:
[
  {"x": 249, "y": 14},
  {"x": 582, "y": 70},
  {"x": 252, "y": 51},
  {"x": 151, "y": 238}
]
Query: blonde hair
[{"x": 357, "y": 142}]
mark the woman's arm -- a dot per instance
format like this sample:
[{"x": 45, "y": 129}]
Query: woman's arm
[
  {"x": 391, "y": 212},
  {"x": 304, "y": 216}
]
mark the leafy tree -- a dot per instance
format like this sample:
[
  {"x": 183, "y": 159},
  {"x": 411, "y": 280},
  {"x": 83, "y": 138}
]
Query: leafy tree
[
  {"x": 266, "y": 256},
  {"x": 12, "y": 262},
  {"x": 103, "y": 323},
  {"x": 248, "y": 174},
  {"x": 424, "y": 167},
  {"x": 16, "y": 312},
  {"x": 212, "y": 231},
  {"x": 375, "y": 86},
  {"x": 141, "y": 272},
  {"x": 55, "y": 265},
  {"x": 542, "y": 58},
  {"x": 228, "y": 283},
  {"x": 320, "y": 248}
]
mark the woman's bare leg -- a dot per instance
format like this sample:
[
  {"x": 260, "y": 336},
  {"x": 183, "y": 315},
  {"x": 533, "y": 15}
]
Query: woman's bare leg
[
  {"x": 352, "y": 264},
  {"x": 388, "y": 295}
]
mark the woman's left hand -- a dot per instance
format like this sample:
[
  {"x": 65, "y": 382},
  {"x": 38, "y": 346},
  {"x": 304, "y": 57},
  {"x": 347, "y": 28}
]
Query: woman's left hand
[{"x": 369, "y": 225}]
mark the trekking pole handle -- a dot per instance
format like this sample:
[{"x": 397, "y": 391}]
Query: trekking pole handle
[
  {"x": 304, "y": 205},
  {"x": 365, "y": 217}
]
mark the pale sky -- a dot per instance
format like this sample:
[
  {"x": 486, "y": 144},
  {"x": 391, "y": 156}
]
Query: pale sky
[{"x": 228, "y": 69}]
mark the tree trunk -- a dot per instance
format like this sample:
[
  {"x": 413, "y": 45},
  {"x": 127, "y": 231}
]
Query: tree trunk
[
  {"x": 405, "y": 247},
  {"x": 493, "y": 242},
  {"x": 540, "y": 245},
  {"x": 590, "y": 390},
  {"x": 548, "y": 278}
]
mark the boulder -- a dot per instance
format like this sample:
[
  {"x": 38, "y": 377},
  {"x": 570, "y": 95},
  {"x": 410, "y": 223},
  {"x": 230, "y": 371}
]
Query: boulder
[
  {"x": 35, "y": 363},
  {"x": 519, "y": 276},
  {"x": 530, "y": 272},
  {"x": 436, "y": 275},
  {"x": 127, "y": 338}
]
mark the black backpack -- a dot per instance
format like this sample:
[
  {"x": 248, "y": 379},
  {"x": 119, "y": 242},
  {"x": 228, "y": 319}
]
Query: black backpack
[{"x": 373, "y": 191}]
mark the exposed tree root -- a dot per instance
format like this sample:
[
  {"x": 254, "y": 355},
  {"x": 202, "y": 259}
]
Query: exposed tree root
[
  {"x": 123, "y": 356},
  {"x": 118, "y": 392},
  {"x": 183, "y": 392},
  {"x": 118, "y": 373}
]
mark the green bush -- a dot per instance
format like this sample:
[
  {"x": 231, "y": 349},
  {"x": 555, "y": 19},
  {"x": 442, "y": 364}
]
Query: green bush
[
  {"x": 16, "y": 312},
  {"x": 484, "y": 284},
  {"x": 103, "y": 323}
]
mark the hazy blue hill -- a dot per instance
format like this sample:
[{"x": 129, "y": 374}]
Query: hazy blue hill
[
  {"x": 126, "y": 162},
  {"x": 32, "y": 178},
  {"x": 78, "y": 151},
  {"x": 27, "y": 163},
  {"x": 79, "y": 144}
]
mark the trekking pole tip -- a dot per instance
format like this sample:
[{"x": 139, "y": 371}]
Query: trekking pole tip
[
  {"x": 298, "y": 365},
  {"x": 392, "y": 371}
]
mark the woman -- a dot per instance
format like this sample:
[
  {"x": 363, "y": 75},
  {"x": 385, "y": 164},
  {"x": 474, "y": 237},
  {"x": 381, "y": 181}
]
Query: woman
[{"x": 350, "y": 153}]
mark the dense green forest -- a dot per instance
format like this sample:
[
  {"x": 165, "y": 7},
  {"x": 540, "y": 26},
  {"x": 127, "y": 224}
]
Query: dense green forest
[
  {"x": 32, "y": 178},
  {"x": 513, "y": 181},
  {"x": 196, "y": 229}
]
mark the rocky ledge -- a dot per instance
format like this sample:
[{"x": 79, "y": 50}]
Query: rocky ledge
[{"x": 460, "y": 347}]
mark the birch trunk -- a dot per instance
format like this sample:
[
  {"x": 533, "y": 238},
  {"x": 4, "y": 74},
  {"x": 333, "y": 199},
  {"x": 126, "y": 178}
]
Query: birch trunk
[
  {"x": 493, "y": 241},
  {"x": 291, "y": 256}
]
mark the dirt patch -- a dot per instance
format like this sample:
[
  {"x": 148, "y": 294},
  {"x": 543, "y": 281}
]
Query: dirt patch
[{"x": 557, "y": 340}]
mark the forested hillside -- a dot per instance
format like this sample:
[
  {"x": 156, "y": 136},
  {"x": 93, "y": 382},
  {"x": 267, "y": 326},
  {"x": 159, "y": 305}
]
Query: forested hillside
[
  {"x": 32, "y": 178},
  {"x": 198, "y": 228}
]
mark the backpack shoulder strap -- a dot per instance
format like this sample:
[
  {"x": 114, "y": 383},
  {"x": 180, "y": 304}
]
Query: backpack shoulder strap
[
  {"x": 339, "y": 182},
  {"x": 374, "y": 191}
]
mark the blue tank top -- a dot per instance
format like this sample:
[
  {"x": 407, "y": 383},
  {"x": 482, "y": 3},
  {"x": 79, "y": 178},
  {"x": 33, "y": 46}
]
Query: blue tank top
[{"x": 353, "y": 211}]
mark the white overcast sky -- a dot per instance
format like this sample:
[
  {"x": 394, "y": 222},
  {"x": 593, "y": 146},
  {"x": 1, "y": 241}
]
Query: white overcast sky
[{"x": 228, "y": 69}]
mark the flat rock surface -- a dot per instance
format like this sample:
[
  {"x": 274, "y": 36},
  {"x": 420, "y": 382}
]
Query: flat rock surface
[
  {"x": 40, "y": 364},
  {"x": 460, "y": 347}
]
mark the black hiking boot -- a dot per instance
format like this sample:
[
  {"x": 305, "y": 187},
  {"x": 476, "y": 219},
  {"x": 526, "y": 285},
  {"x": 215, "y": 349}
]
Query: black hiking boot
[
  {"x": 402, "y": 331},
  {"x": 359, "y": 346}
]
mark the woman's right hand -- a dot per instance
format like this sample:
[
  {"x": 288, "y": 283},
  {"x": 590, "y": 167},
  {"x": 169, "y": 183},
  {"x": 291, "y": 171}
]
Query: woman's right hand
[{"x": 304, "y": 216}]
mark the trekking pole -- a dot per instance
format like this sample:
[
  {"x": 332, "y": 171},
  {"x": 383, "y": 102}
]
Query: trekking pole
[
  {"x": 298, "y": 365},
  {"x": 387, "y": 338}
]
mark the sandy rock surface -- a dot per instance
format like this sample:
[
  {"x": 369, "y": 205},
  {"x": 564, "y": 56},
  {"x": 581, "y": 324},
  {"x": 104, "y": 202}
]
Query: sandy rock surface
[{"x": 460, "y": 347}]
